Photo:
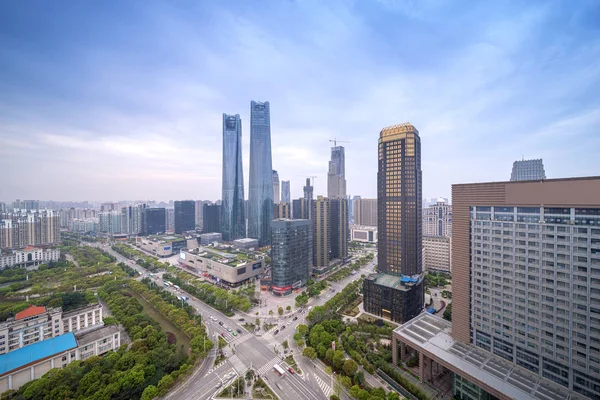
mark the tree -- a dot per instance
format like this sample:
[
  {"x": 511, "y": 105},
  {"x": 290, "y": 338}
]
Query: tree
[
  {"x": 257, "y": 322},
  {"x": 309, "y": 353},
  {"x": 302, "y": 329},
  {"x": 339, "y": 359},
  {"x": 448, "y": 312},
  {"x": 289, "y": 308},
  {"x": 165, "y": 384},
  {"x": 393, "y": 396},
  {"x": 359, "y": 378},
  {"x": 350, "y": 367},
  {"x": 300, "y": 343},
  {"x": 280, "y": 310},
  {"x": 150, "y": 392},
  {"x": 354, "y": 390},
  {"x": 271, "y": 312},
  {"x": 285, "y": 344}
]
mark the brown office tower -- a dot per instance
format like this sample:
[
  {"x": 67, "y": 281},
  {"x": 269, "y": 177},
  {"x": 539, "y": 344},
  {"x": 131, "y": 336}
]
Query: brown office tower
[
  {"x": 526, "y": 295},
  {"x": 396, "y": 292}
]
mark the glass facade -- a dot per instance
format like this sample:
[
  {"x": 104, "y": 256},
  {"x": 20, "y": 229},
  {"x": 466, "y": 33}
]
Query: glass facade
[
  {"x": 154, "y": 220},
  {"x": 290, "y": 258},
  {"x": 233, "y": 218},
  {"x": 185, "y": 216},
  {"x": 260, "y": 199},
  {"x": 528, "y": 170},
  {"x": 285, "y": 192}
]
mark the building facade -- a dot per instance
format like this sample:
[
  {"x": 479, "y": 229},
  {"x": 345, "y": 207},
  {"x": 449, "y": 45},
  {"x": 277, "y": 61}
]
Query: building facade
[
  {"x": 281, "y": 210},
  {"x": 399, "y": 202},
  {"x": 169, "y": 219},
  {"x": 211, "y": 219},
  {"x": 109, "y": 222},
  {"x": 339, "y": 228},
  {"x": 185, "y": 216},
  {"x": 528, "y": 170},
  {"x": 84, "y": 225},
  {"x": 260, "y": 199},
  {"x": 24, "y": 228},
  {"x": 26, "y": 205},
  {"x": 164, "y": 245},
  {"x": 233, "y": 216},
  {"x": 437, "y": 219},
  {"x": 285, "y": 192},
  {"x": 437, "y": 253},
  {"x": 365, "y": 234},
  {"x": 29, "y": 257},
  {"x": 365, "y": 212},
  {"x": 276, "y": 192},
  {"x": 321, "y": 232},
  {"x": 290, "y": 262},
  {"x": 298, "y": 208},
  {"x": 154, "y": 220},
  {"x": 199, "y": 209},
  {"x": 131, "y": 219}
]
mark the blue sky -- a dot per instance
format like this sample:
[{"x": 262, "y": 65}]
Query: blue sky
[{"x": 117, "y": 100}]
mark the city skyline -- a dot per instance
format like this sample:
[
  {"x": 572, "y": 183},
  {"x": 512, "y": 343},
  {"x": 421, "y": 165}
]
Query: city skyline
[{"x": 147, "y": 107}]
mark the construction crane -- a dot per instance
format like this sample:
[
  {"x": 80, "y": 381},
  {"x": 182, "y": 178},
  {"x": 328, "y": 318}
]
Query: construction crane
[
  {"x": 312, "y": 183},
  {"x": 335, "y": 141}
]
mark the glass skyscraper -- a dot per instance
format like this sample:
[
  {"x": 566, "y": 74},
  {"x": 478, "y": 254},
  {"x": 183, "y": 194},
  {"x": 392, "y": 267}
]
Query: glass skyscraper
[
  {"x": 260, "y": 199},
  {"x": 233, "y": 218}
]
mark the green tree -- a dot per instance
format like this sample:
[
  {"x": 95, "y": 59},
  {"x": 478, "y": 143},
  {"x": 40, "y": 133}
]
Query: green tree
[
  {"x": 285, "y": 344},
  {"x": 354, "y": 391},
  {"x": 393, "y": 396},
  {"x": 149, "y": 393},
  {"x": 280, "y": 310},
  {"x": 339, "y": 359},
  {"x": 359, "y": 378},
  {"x": 271, "y": 312},
  {"x": 300, "y": 343},
  {"x": 288, "y": 308},
  {"x": 165, "y": 384},
  {"x": 350, "y": 367},
  {"x": 309, "y": 353},
  {"x": 302, "y": 329},
  {"x": 448, "y": 312}
]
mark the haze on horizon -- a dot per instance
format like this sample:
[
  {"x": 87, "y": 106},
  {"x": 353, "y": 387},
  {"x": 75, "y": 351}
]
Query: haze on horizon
[{"x": 123, "y": 100}]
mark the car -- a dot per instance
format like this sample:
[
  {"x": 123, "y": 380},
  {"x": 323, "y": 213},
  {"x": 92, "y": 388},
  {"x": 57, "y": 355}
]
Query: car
[
  {"x": 289, "y": 322},
  {"x": 218, "y": 385},
  {"x": 291, "y": 370},
  {"x": 223, "y": 334},
  {"x": 282, "y": 328},
  {"x": 295, "y": 318},
  {"x": 228, "y": 329},
  {"x": 276, "y": 332},
  {"x": 234, "y": 333},
  {"x": 241, "y": 319},
  {"x": 239, "y": 331},
  {"x": 221, "y": 323},
  {"x": 211, "y": 317}
]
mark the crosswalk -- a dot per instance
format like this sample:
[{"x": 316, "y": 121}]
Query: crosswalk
[
  {"x": 215, "y": 367},
  {"x": 268, "y": 366},
  {"x": 324, "y": 386}
]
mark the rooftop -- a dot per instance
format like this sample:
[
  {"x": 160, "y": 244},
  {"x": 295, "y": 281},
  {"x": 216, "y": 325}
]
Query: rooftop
[
  {"x": 224, "y": 254},
  {"x": 79, "y": 310},
  {"x": 37, "y": 351},
  {"x": 96, "y": 334},
  {"x": 432, "y": 334},
  {"x": 165, "y": 238},
  {"x": 246, "y": 240},
  {"x": 30, "y": 312},
  {"x": 393, "y": 281}
]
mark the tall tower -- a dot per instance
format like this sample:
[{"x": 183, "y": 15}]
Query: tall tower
[
  {"x": 307, "y": 213},
  {"x": 285, "y": 192},
  {"x": 260, "y": 199},
  {"x": 336, "y": 176},
  {"x": 397, "y": 292},
  {"x": 233, "y": 218},
  {"x": 276, "y": 199}
]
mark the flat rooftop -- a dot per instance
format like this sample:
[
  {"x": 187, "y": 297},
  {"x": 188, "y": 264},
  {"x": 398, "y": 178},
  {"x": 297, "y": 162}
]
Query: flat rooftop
[
  {"x": 36, "y": 351},
  {"x": 96, "y": 334},
  {"x": 80, "y": 310},
  {"x": 230, "y": 255},
  {"x": 393, "y": 281},
  {"x": 432, "y": 334},
  {"x": 165, "y": 238}
]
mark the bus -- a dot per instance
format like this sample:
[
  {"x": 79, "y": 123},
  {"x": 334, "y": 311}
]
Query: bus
[{"x": 278, "y": 369}]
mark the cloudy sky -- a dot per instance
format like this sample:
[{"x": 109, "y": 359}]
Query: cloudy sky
[{"x": 113, "y": 100}]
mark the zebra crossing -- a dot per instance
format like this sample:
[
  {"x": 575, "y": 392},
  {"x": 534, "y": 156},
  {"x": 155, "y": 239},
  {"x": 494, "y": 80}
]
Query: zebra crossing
[
  {"x": 268, "y": 366},
  {"x": 327, "y": 390},
  {"x": 216, "y": 367}
]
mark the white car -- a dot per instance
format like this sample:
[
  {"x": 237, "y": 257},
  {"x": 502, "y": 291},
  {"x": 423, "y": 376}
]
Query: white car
[{"x": 289, "y": 322}]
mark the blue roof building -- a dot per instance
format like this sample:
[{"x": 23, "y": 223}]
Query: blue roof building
[{"x": 35, "y": 352}]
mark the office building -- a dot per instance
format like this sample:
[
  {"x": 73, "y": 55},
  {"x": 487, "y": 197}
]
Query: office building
[
  {"x": 365, "y": 212},
  {"x": 285, "y": 192},
  {"x": 29, "y": 228},
  {"x": 153, "y": 220},
  {"x": 281, "y": 210},
  {"x": 164, "y": 245},
  {"x": 338, "y": 228},
  {"x": 528, "y": 170},
  {"x": 211, "y": 218},
  {"x": 246, "y": 243},
  {"x": 260, "y": 199},
  {"x": 185, "y": 216},
  {"x": 26, "y": 205},
  {"x": 336, "y": 176},
  {"x": 276, "y": 197},
  {"x": 298, "y": 210},
  {"x": 29, "y": 257},
  {"x": 526, "y": 294},
  {"x": 233, "y": 216},
  {"x": 321, "y": 232},
  {"x": 396, "y": 292},
  {"x": 227, "y": 265},
  {"x": 290, "y": 262},
  {"x": 437, "y": 253},
  {"x": 199, "y": 209},
  {"x": 210, "y": 237},
  {"x": 364, "y": 234},
  {"x": 437, "y": 219}
]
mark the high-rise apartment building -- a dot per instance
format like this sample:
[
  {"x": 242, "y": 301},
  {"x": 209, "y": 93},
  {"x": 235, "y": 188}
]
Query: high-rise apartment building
[
  {"x": 528, "y": 170},
  {"x": 298, "y": 208},
  {"x": 131, "y": 219},
  {"x": 211, "y": 218},
  {"x": 526, "y": 294},
  {"x": 285, "y": 192},
  {"x": 26, "y": 205},
  {"x": 437, "y": 219},
  {"x": 185, "y": 216},
  {"x": 199, "y": 208},
  {"x": 233, "y": 218},
  {"x": 397, "y": 293},
  {"x": 290, "y": 258},
  {"x": 365, "y": 212},
  {"x": 437, "y": 253},
  {"x": 154, "y": 220},
  {"x": 276, "y": 193},
  {"x": 170, "y": 219},
  {"x": 24, "y": 228},
  {"x": 339, "y": 228},
  {"x": 260, "y": 199},
  {"x": 336, "y": 176},
  {"x": 307, "y": 213},
  {"x": 281, "y": 210},
  {"x": 321, "y": 232},
  {"x": 109, "y": 222},
  {"x": 351, "y": 208}
]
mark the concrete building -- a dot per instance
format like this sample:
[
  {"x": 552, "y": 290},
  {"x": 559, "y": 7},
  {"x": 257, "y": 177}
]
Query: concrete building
[
  {"x": 365, "y": 234},
  {"x": 233, "y": 215},
  {"x": 169, "y": 220},
  {"x": 225, "y": 264},
  {"x": 29, "y": 257},
  {"x": 83, "y": 225},
  {"x": 260, "y": 197},
  {"x": 246, "y": 243},
  {"x": 276, "y": 192},
  {"x": 211, "y": 219},
  {"x": 210, "y": 237},
  {"x": 131, "y": 219},
  {"x": 290, "y": 262},
  {"x": 285, "y": 192},
  {"x": 336, "y": 175},
  {"x": 154, "y": 220},
  {"x": 339, "y": 228},
  {"x": 29, "y": 228},
  {"x": 163, "y": 245},
  {"x": 307, "y": 213},
  {"x": 199, "y": 210},
  {"x": 365, "y": 212},
  {"x": 437, "y": 253},
  {"x": 109, "y": 222},
  {"x": 437, "y": 219},
  {"x": 281, "y": 210},
  {"x": 298, "y": 208},
  {"x": 26, "y": 205},
  {"x": 528, "y": 170},
  {"x": 397, "y": 292},
  {"x": 526, "y": 294},
  {"x": 321, "y": 232},
  {"x": 185, "y": 216}
]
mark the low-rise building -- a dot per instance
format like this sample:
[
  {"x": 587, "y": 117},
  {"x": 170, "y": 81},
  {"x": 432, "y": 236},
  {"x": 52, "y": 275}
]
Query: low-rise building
[
  {"x": 98, "y": 341},
  {"x": 437, "y": 253},
  {"x": 210, "y": 237},
  {"x": 82, "y": 319},
  {"x": 29, "y": 257},
  {"x": 365, "y": 234},
  {"x": 246, "y": 243},
  {"x": 162, "y": 245},
  {"x": 224, "y": 264}
]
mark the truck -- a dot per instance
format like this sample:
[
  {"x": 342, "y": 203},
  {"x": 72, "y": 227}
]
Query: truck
[{"x": 279, "y": 370}]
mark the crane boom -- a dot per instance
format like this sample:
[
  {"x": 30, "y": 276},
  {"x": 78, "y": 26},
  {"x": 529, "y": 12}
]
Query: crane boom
[{"x": 335, "y": 141}]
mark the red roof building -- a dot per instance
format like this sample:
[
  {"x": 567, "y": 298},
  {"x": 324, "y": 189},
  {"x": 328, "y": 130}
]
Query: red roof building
[{"x": 30, "y": 312}]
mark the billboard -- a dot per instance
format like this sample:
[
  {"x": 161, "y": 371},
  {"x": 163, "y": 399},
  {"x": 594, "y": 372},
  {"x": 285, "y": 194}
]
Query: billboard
[{"x": 182, "y": 255}]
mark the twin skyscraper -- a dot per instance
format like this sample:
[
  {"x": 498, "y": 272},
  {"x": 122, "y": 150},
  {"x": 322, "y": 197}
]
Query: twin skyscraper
[{"x": 260, "y": 198}]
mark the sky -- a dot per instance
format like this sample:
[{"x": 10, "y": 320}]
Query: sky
[{"x": 114, "y": 100}]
